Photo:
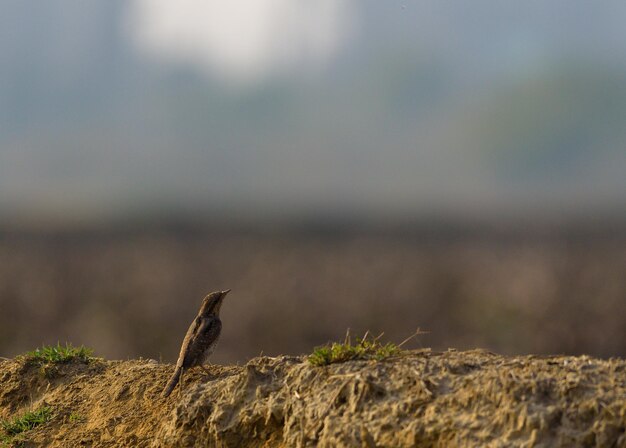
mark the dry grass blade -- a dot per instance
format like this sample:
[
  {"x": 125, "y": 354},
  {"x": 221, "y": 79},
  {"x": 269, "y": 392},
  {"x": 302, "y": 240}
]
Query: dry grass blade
[{"x": 414, "y": 335}]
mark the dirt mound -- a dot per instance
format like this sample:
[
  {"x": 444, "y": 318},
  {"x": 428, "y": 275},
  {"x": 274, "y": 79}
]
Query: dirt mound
[{"x": 420, "y": 398}]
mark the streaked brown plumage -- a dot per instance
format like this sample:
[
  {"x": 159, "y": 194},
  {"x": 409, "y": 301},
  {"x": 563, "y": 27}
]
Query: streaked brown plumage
[{"x": 201, "y": 338}]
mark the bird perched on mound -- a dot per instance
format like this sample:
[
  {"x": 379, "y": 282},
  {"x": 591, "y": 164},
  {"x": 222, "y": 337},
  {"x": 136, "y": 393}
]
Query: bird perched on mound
[{"x": 201, "y": 338}]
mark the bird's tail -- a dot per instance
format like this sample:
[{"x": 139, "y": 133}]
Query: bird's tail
[{"x": 173, "y": 382}]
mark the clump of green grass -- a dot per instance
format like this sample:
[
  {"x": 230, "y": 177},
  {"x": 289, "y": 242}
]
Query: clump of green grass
[
  {"x": 363, "y": 349},
  {"x": 58, "y": 354},
  {"x": 49, "y": 357},
  {"x": 367, "y": 347},
  {"x": 12, "y": 429}
]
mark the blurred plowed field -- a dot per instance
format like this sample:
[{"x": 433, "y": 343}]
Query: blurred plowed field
[{"x": 130, "y": 295}]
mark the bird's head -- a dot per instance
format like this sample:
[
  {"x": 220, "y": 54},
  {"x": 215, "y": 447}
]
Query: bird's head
[{"x": 212, "y": 303}]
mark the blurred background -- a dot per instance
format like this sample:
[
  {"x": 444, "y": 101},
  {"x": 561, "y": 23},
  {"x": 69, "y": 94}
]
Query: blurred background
[{"x": 339, "y": 164}]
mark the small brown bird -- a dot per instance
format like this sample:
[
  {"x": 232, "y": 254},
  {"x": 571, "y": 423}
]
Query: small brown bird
[{"x": 201, "y": 338}]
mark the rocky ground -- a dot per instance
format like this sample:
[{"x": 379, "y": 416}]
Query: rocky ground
[{"x": 419, "y": 398}]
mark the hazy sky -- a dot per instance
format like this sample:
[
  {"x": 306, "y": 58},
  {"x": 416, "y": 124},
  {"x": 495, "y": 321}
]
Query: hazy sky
[
  {"x": 287, "y": 108},
  {"x": 242, "y": 42}
]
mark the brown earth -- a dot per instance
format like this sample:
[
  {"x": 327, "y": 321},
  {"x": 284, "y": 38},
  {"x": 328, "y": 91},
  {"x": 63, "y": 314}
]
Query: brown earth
[{"x": 421, "y": 398}]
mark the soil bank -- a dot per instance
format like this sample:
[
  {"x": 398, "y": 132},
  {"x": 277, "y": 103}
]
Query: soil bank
[{"x": 420, "y": 398}]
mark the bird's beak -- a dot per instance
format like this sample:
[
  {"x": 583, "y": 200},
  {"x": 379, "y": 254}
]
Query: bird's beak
[{"x": 225, "y": 292}]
